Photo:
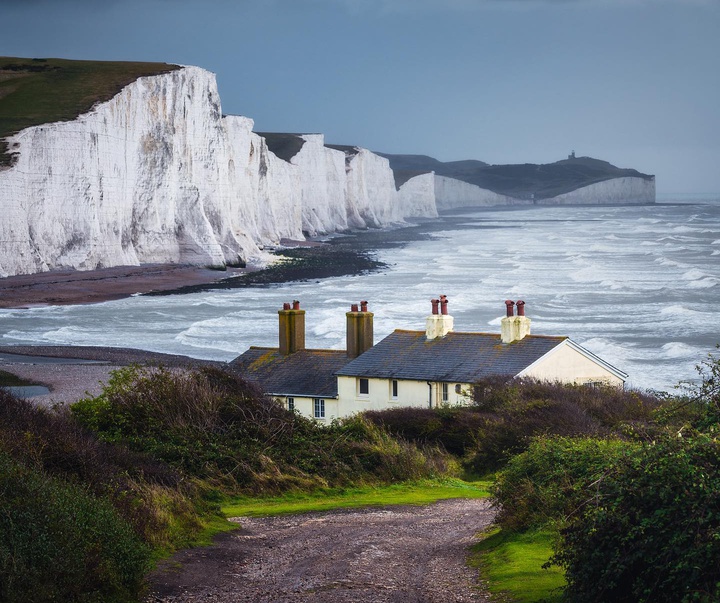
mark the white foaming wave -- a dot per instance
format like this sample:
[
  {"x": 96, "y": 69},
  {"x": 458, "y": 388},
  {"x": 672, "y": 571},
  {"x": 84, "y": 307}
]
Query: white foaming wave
[
  {"x": 663, "y": 261},
  {"x": 695, "y": 274},
  {"x": 70, "y": 335},
  {"x": 330, "y": 327},
  {"x": 678, "y": 311},
  {"x": 613, "y": 285},
  {"x": 23, "y": 335},
  {"x": 704, "y": 283},
  {"x": 615, "y": 353},
  {"x": 716, "y": 252},
  {"x": 716, "y": 242},
  {"x": 677, "y": 349},
  {"x": 603, "y": 248}
]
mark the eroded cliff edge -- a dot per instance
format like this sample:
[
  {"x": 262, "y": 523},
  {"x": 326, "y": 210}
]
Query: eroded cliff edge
[{"x": 157, "y": 174}]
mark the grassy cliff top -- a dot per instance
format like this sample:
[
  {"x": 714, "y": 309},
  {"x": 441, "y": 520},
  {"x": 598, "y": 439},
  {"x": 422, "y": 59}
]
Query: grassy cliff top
[{"x": 38, "y": 91}]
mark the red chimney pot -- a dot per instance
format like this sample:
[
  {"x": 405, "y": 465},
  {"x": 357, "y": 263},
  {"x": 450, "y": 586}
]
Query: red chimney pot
[
  {"x": 435, "y": 303},
  {"x": 286, "y": 306},
  {"x": 509, "y": 307},
  {"x": 353, "y": 308},
  {"x": 296, "y": 305},
  {"x": 444, "y": 305},
  {"x": 363, "y": 306},
  {"x": 520, "y": 307}
]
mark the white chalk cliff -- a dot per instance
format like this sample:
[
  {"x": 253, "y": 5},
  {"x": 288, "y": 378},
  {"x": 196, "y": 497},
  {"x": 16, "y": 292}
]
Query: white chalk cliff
[{"x": 158, "y": 175}]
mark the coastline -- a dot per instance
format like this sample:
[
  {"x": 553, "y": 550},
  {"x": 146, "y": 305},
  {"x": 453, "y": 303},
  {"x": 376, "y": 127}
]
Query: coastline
[
  {"x": 69, "y": 287},
  {"x": 337, "y": 255}
]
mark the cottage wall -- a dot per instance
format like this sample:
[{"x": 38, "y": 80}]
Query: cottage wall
[
  {"x": 566, "y": 365},
  {"x": 409, "y": 393}
]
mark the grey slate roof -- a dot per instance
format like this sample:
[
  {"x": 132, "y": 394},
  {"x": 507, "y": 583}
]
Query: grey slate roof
[
  {"x": 456, "y": 358},
  {"x": 308, "y": 373}
]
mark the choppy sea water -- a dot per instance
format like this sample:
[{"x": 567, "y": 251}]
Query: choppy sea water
[{"x": 639, "y": 286}]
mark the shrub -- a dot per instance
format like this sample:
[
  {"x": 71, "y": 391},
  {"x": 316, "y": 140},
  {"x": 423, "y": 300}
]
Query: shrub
[
  {"x": 215, "y": 426},
  {"x": 508, "y": 413},
  {"x": 553, "y": 480},
  {"x": 58, "y": 543},
  {"x": 140, "y": 488},
  {"x": 652, "y": 533},
  {"x": 653, "y": 530}
]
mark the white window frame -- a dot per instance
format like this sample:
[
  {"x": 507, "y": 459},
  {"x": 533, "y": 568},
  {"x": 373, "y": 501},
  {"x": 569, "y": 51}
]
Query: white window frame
[
  {"x": 360, "y": 387},
  {"x": 319, "y": 408},
  {"x": 291, "y": 404},
  {"x": 445, "y": 392},
  {"x": 394, "y": 389}
]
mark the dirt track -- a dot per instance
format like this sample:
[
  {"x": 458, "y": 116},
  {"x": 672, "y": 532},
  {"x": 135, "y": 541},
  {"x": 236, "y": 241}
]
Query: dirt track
[{"x": 394, "y": 555}]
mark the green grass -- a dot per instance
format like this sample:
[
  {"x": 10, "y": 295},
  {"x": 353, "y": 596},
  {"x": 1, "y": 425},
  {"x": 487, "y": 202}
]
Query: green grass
[
  {"x": 37, "y": 91},
  {"x": 511, "y": 562},
  {"x": 418, "y": 493}
]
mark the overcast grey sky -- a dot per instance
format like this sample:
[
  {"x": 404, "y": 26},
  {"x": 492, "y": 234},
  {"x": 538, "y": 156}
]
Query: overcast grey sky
[{"x": 634, "y": 82}]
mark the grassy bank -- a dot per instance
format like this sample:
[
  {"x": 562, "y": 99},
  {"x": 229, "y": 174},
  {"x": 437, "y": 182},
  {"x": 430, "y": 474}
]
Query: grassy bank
[
  {"x": 411, "y": 493},
  {"x": 512, "y": 565}
]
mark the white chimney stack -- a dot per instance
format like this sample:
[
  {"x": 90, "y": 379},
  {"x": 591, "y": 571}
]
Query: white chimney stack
[
  {"x": 439, "y": 323},
  {"x": 514, "y": 328}
]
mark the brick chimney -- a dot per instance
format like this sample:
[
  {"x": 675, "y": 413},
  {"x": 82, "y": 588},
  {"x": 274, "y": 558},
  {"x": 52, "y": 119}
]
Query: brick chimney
[
  {"x": 359, "y": 330},
  {"x": 514, "y": 328},
  {"x": 439, "y": 323},
  {"x": 292, "y": 328}
]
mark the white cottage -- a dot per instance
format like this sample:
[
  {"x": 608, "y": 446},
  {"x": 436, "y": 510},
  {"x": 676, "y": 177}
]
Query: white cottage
[{"x": 430, "y": 368}]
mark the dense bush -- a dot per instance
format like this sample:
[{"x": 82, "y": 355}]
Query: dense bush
[
  {"x": 507, "y": 414},
  {"x": 215, "y": 426},
  {"x": 163, "y": 508},
  {"x": 554, "y": 480},
  {"x": 58, "y": 543},
  {"x": 652, "y": 533}
]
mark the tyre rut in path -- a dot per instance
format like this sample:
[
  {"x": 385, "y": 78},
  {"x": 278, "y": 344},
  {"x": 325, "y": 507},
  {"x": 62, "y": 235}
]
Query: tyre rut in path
[{"x": 403, "y": 554}]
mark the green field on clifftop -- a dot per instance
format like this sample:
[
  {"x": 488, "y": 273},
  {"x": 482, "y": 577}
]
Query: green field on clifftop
[{"x": 38, "y": 91}]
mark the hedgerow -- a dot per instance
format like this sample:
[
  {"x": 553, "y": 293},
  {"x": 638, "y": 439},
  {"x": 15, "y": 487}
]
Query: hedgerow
[
  {"x": 507, "y": 414},
  {"x": 554, "y": 480},
  {"x": 652, "y": 530},
  {"x": 215, "y": 426}
]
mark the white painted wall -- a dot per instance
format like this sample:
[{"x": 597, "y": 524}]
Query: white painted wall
[
  {"x": 379, "y": 397},
  {"x": 566, "y": 365}
]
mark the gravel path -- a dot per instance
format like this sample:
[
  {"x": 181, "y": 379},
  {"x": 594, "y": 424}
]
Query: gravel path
[{"x": 401, "y": 554}]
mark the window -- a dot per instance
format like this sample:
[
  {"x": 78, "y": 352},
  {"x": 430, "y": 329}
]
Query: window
[
  {"x": 458, "y": 388},
  {"x": 363, "y": 386},
  {"x": 319, "y": 408},
  {"x": 291, "y": 404},
  {"x": 445, "y": 396},
  {"x": 394, "y": 392}
]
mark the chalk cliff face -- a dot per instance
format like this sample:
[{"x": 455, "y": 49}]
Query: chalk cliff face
[
  {"x": 418, "y": 194},
  {"x": 451, "y": 194},
  {"x": 626, "y": 190},
  {"x": 157, "y": 174}
]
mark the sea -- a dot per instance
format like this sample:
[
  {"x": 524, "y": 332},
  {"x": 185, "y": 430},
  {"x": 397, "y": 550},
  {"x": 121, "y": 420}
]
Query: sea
[{"x": 637, "y": 285}]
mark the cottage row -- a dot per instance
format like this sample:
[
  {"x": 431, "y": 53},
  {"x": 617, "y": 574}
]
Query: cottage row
[{"x": 430, "y": 368}]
